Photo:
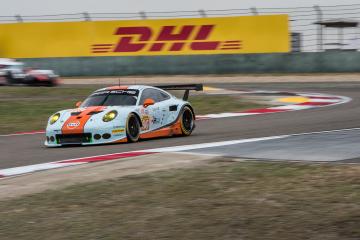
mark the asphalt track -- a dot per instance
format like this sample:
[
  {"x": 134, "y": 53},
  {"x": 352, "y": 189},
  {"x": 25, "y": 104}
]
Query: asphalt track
[{"x": 29, "y": 149}]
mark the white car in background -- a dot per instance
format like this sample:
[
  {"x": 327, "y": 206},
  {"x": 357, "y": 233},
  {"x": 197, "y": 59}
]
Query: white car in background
[{"x": 14, "y": 72}]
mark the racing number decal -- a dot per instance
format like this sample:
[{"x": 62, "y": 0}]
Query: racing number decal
[{"x": 145, "y": 123}]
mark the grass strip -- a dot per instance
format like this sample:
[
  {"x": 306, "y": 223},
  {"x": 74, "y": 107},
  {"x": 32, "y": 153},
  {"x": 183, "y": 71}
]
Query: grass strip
[
  {"x": 28, "y": 108},
  {"x": 223, "y": 200}
]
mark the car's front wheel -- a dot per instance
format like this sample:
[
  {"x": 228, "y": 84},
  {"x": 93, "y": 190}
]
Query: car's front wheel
[
  {"x": 10, "y": 78},
  {"x": 187, "y": 121},
  {"x": 132, "y": 128}
]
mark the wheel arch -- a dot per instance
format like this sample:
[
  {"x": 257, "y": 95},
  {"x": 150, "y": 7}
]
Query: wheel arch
[
  {"x": 191, "y": 108},
  {"x": 138, "y": 118}
]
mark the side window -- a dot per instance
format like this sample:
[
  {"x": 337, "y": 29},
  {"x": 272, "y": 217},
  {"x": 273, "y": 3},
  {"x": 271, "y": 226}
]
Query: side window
[
  {"x": 164, "y": 96},
  {"x": 145, "y": 94},
  {"x": 155, "y": 94}
]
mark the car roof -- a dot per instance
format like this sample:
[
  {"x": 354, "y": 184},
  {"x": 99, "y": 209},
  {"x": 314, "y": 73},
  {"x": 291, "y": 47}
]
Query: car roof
[
  {"x": 121, "y": 87},
  {"x": 10, "y": 62}
]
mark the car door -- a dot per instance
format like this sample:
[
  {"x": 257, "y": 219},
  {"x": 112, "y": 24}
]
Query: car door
[
  {"x": 154, "y": 116},
  {"x": 151, "y": 116}
]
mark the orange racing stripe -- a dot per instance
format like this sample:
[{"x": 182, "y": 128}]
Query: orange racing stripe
[
  {"x": 117, "y": 88},
  {"x": 174, "y": 129},
  {"x": 76, "y": 124}
]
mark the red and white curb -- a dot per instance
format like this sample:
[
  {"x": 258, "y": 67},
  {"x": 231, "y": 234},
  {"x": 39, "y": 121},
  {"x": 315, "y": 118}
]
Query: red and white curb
[
  {"x": 314, "y": 100},
  {"x": 16, "y": 171},
  {"x": 9, "y": 172},
  {"x": 23, "y": 133}
]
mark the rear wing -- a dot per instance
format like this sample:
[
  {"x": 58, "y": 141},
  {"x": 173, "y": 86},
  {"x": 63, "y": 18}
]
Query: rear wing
[{"x": 186, "y": 87}]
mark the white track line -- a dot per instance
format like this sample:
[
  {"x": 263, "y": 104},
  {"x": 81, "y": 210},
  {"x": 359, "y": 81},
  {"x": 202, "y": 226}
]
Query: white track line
[
  {"x": 12, "y": 172},
  {"x": 232, "y": 142},
  {"x": 209, "y": 145},
  {"x": 23, "y": 133}
]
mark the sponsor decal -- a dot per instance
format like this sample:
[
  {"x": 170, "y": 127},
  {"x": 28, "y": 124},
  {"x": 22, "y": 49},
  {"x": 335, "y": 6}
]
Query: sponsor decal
[
  {"x": 155, "y": 120},
  {"x": 145, "y": 122},
  {"x": 126, "y": 92},
  {"x": 168, "y": 38},
  {"x": 144, "y": 111},
  {"x": 72, "y": 125},
  {"x": 103, "y": 92},
  {"x": 118, "y": 130},
  {"x": 119, "y": 92},
  {"x": 77, "y": 110},
  {"x": 176, "y": 36}
]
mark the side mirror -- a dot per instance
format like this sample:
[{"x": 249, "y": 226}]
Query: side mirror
[
  {"x": 78, "y": 104},
  {"x": 148, "y": 102}
]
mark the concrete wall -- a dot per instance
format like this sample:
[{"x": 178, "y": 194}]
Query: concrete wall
[{"x": 339, "y": 61}]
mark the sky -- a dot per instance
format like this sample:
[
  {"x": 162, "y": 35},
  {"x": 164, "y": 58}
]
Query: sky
[{"x": 40, "y": 7}]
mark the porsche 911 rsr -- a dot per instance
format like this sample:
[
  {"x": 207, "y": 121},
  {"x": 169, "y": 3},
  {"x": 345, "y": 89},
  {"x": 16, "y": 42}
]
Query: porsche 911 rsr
[{"x": 123, "y": 114}]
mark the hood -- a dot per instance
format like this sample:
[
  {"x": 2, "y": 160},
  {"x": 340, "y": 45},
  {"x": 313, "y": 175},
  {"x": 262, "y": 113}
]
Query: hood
[
  {"x": 73, "y": 121},
  {"x": 82, "y": 112},
  {"x": 79, "y": 117}
]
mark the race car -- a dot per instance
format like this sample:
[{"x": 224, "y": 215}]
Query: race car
[
  {"x": 14, "y": 72},
  {"x": 124, "y": 114}
]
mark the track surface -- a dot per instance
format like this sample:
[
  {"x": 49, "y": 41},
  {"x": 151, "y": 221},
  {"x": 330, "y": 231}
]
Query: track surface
[{"x": 28, "y": 149}]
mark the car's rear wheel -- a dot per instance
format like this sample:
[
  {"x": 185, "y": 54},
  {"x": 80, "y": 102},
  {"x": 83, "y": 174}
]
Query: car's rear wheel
[
  {"x": 187, "y": 121},
  {"x": 10, "y": 78},
  {"x": 132, "y": 128}
]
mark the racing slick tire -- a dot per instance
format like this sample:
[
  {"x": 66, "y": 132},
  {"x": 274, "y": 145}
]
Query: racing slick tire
[
  {"x": 187, "y": 121},
  {"x": 30, "y": 81},
  {"x": 132, "y": 128},
  {"x": 10, "y": 78}
]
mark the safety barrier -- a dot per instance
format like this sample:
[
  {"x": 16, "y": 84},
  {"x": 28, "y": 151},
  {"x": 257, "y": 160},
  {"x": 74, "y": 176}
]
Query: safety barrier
[{"x": 337, "y": 61}]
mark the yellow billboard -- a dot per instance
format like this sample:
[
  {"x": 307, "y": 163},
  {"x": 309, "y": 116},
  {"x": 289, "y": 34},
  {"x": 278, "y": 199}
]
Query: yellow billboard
[{"x": 190, "y": 36}]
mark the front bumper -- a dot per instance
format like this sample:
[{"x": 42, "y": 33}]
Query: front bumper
[{"x": 56, "y": 139}]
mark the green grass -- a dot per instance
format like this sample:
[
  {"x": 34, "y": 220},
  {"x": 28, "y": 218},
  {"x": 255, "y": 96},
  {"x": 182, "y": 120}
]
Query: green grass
[
  {"x": 223, "y": 200},
  {"x": 218, "y": 104},
  {"x": 28, "y": 108}
]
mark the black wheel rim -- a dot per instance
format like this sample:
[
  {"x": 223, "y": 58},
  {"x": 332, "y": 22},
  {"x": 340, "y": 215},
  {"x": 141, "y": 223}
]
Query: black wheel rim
[
  {"x": 187, "y": 120},
  {"x": 133, "y": 127}
]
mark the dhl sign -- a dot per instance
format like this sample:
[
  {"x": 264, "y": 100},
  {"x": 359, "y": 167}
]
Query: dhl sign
[
  {"x": 189, "y": 37},
  {"x": 222, "y": 35}
]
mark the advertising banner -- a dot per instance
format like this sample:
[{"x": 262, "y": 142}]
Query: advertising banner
[{"x": 190, "y": 36}]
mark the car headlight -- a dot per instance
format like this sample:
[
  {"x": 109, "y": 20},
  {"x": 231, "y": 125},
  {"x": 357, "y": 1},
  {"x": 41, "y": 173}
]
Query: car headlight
[
  {"x": 54, "y": 118},
  {"x": 110, "y": 116}
]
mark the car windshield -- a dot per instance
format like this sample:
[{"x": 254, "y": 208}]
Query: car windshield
[
  {"x": 112, "y": 98},
  {"x": 16, "y": 67}
]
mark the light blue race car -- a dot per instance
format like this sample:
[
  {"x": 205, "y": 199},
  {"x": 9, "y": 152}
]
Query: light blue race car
[{"x": 123, "y": 114}]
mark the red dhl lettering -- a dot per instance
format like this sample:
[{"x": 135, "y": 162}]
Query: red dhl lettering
[{"x": 135, "y": 39}]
